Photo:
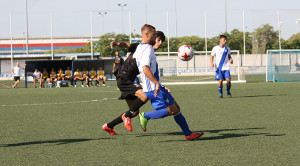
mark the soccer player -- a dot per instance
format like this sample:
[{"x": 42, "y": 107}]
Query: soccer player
[
  {"x": 60, "y": 75},
  {"x": 53, "y": 76},
  {"x": 85, "y": 75},
  {"x": 160, "y": 98},
  {"x": 101, "y": 75},
  {"x": 222, "y": 56},
  {"x": 37, "y": 76},
  {"x": 45, "y": 77},
  {"x": 93, "y": 76},
  {"x": 16, "y": 72},
  {"x": 78, "y": 76},
  {"x": 68, "y": 75},
  {"x": 118, "y": 61},
  {"x": 133, "y": 94}
]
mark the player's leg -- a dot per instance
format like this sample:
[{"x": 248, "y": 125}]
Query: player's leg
[
  {"x": 17, "y": 82},
  {"x": 87, "y": 81},
  {"x": 220, "y": 87},
  {"x": 228, "y": 80},
  {"x": 34, "y": 81},
  {"x": 104, "y": 80}
]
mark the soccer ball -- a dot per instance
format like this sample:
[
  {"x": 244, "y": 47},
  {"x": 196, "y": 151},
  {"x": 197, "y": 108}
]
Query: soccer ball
[{"x": 185, "y": 53}]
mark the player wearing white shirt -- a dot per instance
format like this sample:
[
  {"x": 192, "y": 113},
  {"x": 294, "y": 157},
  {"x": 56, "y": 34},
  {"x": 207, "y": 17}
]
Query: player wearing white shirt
[
  {"x": 160, "y": 98},
  {"x": 17, "y": 73},
  {"x": 222, "y": 57},
  {"x": 37, "y": 76}
]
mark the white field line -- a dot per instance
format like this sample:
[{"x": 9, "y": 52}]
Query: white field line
[{"x": 70, "y": 102}]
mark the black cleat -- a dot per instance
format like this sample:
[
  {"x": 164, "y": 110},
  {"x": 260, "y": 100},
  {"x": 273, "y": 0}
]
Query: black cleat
[{"x": 220, "y": 96}]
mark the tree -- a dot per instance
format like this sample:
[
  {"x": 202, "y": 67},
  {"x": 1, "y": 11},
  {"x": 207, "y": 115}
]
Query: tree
[
  {"x": 293, "y": 42},
  {"x": 264, "y": 38}
]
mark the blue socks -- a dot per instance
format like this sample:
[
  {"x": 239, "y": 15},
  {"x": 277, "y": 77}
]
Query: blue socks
[
  {"x": 228, "y": 88},
  {"x": 221, "y": 90},
  {"x": 156, "y": 114},
  {"x": 180, "y": 120}
]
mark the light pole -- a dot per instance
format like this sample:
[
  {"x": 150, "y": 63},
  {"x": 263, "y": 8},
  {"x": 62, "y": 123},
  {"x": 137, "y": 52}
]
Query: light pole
[
  {"x": 122, "y": 5},
  {"x": 146, "y": 11},
  {"x": 298, "y": 21},
  {"x": 225, "y": 15},
  {"x": 27, "y": 50},
  {"x": 279, "y": 32},
  {"x": 175, "y": 19},
  {"x": 102, "y": 14}
]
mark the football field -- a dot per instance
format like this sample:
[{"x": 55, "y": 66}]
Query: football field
[{"x": 62, "y": 126}]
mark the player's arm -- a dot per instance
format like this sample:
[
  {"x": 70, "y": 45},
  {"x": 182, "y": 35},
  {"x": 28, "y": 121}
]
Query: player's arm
[
  {"x": 229, "y": 57},
  {"x": 212, "y": 62},
  {"x": 213, "y": 53},
  {"x": 120, "y": 44},
  {"x": 24, "y": 66},
  {"x": 150, "y": 76},
  {"x": 114, "y": 67},
  {"x": 12, "y": 70}
]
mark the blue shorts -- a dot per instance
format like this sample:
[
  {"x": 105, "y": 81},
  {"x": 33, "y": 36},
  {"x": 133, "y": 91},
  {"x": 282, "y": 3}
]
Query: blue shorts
[
  {"x": 163, "y": 99},
  {"x": 222, "y": 75}
]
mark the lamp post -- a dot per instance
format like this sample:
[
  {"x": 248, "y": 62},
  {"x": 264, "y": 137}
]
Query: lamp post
[
  {"x": 122, "y": 6},
  {"x": 298, "y": 21},
  {"x": 102, "y": 14}
]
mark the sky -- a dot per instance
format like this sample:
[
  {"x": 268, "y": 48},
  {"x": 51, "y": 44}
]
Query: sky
[{"x": 72, "y": 17}]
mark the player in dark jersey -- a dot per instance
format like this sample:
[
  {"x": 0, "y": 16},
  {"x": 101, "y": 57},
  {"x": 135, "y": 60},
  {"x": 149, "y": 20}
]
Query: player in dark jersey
[
  {"x": 134, "y": 95},
  {"x": 117, "y": 62}
]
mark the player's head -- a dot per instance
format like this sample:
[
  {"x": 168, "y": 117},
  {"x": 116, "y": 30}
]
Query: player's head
[
  {"x": 117, "y": 52},
  {"x": 100, "y": 68},
  {"x": 160, "y": 38},
  {"x": 18, "y": 64},
  {"x": 45, "y": 69},
  {"x": 68, "y": 68},
  {"x": 36, "y": 70},
  {"x": 148, "y": 34},
  {"x": 77, "y": 70},
  {"x": 84, "y": 69},
  {"x": 93, "y": 68},
  {"x": 223, "y": 39},
  {"x": 52, "y": 69}
]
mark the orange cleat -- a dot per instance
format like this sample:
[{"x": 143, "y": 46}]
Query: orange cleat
[
  {"x": 111, "y": 131},
  {"x": 127, "y": 122},
  {"x": 193, "y": 136}
]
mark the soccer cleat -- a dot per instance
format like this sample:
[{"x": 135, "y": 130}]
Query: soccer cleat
[
  {"x": 229, "y": 94},
  {"x": 127, "y": 122},
  {"x": 193, "y": 136},
  {"x": 111, "y": 131},
  {"x": 75, "y": 86},
  {"x": 103, "y": 85},
  {"x": 82, "y": 86},
  {"x": 143, "y": 121},
  {"x": 87, "y": 86},
  {"x": 220, "y": 96}
]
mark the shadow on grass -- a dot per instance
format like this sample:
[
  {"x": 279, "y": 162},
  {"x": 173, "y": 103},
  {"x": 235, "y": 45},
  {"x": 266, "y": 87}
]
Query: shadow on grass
[
  {"x": 219, "y": 137},
  {"x": 56, "y": 142},
  {"x": 259, "y": 96}
]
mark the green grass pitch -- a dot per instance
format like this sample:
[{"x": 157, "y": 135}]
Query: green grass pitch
[{"x": 62, "y": 126}]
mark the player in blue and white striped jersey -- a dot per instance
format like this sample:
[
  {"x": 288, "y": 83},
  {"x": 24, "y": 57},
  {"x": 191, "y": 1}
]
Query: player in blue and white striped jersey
[{"x": 222, "y": 56}]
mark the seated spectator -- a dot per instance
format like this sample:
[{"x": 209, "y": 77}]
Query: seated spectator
[
  {"x": 85, "y": 75},
  {"x": 53, "y": 76},
  {"x": 93, "y": 76},
  {"x": 37, "y": 76},
  {"x": 68, "y": 75},
  {"x": 101, "y": 75},
  {"x": 78, "y": 76},
  {"x": 45, "y": 77}
]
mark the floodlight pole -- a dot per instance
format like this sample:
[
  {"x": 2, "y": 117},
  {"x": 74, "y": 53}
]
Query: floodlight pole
[
  {"x": 279, "y": 31},
  {"x": 122, "y": 6},
  {"x": 91, "y": 26},
  {"x": 146, "y": 11},
  {"x": 51, "y": 29},
  {"x": 168, "y": 35},
  {"x": 129, "y": 20},
  {"x": 102, "y": 14},
  {"x": 11, "y": 41},
  {"x": 27, "y": 49},
  {"x": 225, "y": 15},
  {"x": 205, "y": 34},
  {"x": 175, "y": 19},
  {"x": 244, "y": 36}
]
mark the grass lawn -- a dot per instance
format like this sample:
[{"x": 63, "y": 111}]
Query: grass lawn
[{"x": 62, "y": 126}]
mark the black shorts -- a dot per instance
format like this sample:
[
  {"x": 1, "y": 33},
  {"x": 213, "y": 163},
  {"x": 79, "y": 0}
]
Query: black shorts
[
  {"x": 127, "y": 89},
  {"x": 17, "y": 78}
]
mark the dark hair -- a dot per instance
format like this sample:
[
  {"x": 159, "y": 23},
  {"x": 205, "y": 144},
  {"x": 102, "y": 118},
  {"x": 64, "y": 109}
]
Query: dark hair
[
  {"x": 117, "y": 50},
  {"x": 223, "y": 36},
  {"x": 148, "y": 27},
  {"x": 161, "y": 35}
]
